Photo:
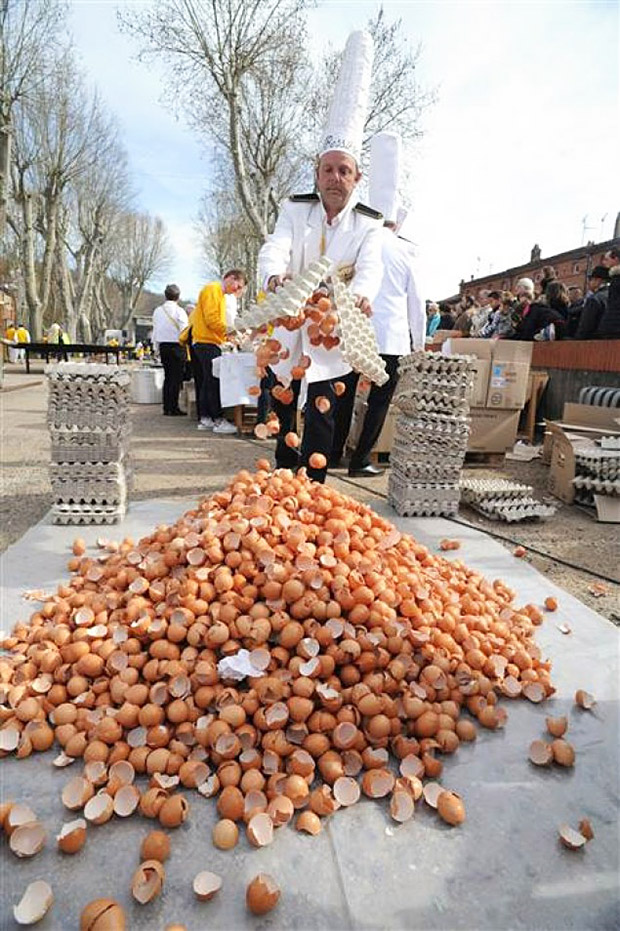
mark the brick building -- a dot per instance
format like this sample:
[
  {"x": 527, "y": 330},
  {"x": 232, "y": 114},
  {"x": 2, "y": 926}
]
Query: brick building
[{"x": 572, "y": 268}]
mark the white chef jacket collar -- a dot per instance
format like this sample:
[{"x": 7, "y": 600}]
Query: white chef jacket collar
[{"x": 348, "y": 207}]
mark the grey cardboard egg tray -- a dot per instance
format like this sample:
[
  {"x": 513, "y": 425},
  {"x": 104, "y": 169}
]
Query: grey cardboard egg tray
[
  {"x": 425, "y": 429},
  {"x": 87, "y": 514},
  {"x": 431, "y": 404},
  {"x": 501, "y": 499},
  {"x": 358, "y": 342},
  {"x": 90, "y": 433},
  {"x": 93, "y": 372},
  {"x": 288, "y": 300},
  {"x": 419, "y": 499}
]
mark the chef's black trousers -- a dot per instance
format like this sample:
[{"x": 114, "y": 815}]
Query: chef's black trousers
[
  {"x": 318, "y": 434},
  {"x": 172, "y": 357},
  {"x": 379, "y": 398}
]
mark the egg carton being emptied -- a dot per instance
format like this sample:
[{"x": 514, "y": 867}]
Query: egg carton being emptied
[
  {"x": 288, "y": 300},
  {"x": 358, "y": 342}
]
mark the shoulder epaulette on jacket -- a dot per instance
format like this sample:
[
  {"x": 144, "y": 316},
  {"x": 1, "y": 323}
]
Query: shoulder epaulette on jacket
[
  {"x": 368, "y": 211},
  {"x": 304, "y": 198}
]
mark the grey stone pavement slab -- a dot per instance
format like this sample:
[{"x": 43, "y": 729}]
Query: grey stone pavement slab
[{"x": 503, "y": 869}]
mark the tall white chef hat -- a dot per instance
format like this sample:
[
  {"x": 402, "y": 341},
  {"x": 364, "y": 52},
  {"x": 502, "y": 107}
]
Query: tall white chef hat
[
  {"x": 344, "y": 129},
  {"x": 384, "y": 175}
]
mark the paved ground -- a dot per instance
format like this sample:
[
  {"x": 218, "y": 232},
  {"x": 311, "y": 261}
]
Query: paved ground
[{"x": 172, "y": 458}]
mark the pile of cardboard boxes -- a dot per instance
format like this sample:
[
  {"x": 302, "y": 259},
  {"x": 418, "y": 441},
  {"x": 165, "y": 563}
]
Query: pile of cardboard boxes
[
  {"x": 499, "y": 392},
  {"x": 584, "y": 458}
]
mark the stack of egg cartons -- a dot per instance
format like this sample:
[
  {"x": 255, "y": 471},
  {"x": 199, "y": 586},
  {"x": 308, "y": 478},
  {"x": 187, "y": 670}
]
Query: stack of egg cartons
[
  {"x": 597, "y": 473},
  {"x": 90, "y": 429},
  {"x": 501, "y": 499},
  {"x": 431, "y": 433}
]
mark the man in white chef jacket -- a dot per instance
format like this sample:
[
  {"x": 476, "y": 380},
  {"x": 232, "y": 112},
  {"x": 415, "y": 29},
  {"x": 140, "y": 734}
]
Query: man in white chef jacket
[
  {"x": 333, "y": 223},
  {"x": 398, "y": 317}
]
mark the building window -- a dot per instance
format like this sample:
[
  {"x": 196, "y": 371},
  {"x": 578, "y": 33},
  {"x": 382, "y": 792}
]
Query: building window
[{"x": 576, "y": 268}]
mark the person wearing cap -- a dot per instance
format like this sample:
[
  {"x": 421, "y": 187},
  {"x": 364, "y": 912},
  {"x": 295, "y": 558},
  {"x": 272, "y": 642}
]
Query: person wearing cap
[
  {"x": 609, "y": 325},
  {"x": 328, "y": 222},
  {"x": 398, "y": 314},
  {"x": 595, "y": 304}
]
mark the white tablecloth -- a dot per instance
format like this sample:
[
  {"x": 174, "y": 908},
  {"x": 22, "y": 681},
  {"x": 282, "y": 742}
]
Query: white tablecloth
[{"x": 237, "y": 373}]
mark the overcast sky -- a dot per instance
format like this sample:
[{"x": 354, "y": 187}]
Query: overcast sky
[{"x": 519, "y": 149}]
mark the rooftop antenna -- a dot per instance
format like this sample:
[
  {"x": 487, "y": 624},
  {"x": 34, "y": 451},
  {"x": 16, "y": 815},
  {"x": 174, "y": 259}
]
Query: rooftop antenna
[
  {"x": 600, "y": 235},
  {"x": 585, "y": 228}
]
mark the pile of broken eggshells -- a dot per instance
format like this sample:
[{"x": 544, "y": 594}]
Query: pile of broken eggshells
[{"x": 282, "y": 649}]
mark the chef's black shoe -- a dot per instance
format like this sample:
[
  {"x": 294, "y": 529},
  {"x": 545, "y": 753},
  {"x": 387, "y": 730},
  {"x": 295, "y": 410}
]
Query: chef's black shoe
[{"x": 367, "y": 471}]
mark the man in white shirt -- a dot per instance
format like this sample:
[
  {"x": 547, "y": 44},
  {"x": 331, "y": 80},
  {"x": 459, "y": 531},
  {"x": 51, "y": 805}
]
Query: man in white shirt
[
  {"x": 168, "y": 321},
  {"x": 332, "y": 223},
  {"x": 398, "y": 313}
]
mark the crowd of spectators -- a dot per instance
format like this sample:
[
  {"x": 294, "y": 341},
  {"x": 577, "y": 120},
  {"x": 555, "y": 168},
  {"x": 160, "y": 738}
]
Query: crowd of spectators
[{"x": 542, "y": 311}]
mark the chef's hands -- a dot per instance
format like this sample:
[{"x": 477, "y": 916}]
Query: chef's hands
[
  {"x": 364, "y": 305},
  {"x": 276, "y": 281}
]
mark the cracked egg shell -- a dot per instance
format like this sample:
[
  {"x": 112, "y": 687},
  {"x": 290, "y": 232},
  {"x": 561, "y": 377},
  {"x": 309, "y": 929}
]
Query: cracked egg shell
[
  {"x": 16, "y": 814},
  {"x": 260, "y": 829},
  {"x": 431, "y": 793},
  {"x": 571, "y": 838},
  {"x": 76, "y": 793},
  {"x": 309, "y": 822},
  {"x": 147, "y": 881},
  {"x": 34, "y": 904},
  {"x": 99, "y": 808},
  {"x": 174, "y": 811},
  {"x": 557, "y": 726},
  {"x": 584, "y": 699},
  {"x": 280, "y": 809},
  {"x": 28, "y": 839},
  {"x": 126, "y": 801},
  {"x": 155, "y": 846},
  {"x": 206, "y": 885},
  {"x": 451, "y": 808},
  {"x": 401, "y": 806},
  {"x": 72, "y": 836},
  {"x": 262, "y": 894},
  {"x": 540, "y": 753},
  {"x": 225, "y": 834},
  {"x": 563, "y": 752},
  {"x": 585, "y": 828}
]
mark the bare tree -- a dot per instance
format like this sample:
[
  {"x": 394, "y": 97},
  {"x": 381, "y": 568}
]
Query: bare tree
[
  {"x": 28, "y": 30},
  {"x": 140, "y": 252},
  {"x": 236, "y": 53}
]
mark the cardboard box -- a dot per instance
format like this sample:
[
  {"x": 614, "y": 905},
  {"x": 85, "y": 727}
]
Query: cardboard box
[
  {"x": 492, "y": 431},
  {"x": 607, "y": 509},
  {"x": 508, "y": 382},
  {"x": 507, "y": 367},
  {"x": 580, "y": 426},
  {"x": 480, "y": 389}
]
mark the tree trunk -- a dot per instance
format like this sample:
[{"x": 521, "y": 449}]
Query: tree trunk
[
  {"x": 240, "y": 171},
  {"x": 64, "y": 286},
  {"x": 51, "y": 233},
  {"x": 35, "y": 309}
]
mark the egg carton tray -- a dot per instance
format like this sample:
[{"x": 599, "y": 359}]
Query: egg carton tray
[
  {"x": 433, "y": 427},
  {"x": 358, "y": 342},
  {"x": 513, "y": 510},
  {"x": 93, "y": 371},
  {"x": 479, "y": 489},
  {"x": 439, "y": 436},
  {"x": 418, "y": 471},
  {"x": 459, "y": 382},
  {"x": 288, "y": 300},
  {"x": 87, "y": 389},
  {"x": 88, "y": 454},
  {"x": 601, "y": 486},
  {"x": 87, "y": 514},
  {"x": 91, "y": 500},
  {"x": 409, "y": 507},
  {"x": 421, "y": 361},
  {"x": 429, "y": 404},
  {"x": 85, "y": 420},
  {"x": 117, "y": 470},
  {"x": 610, "y": 442}
]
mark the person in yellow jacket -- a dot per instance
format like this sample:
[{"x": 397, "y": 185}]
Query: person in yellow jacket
[{"x": 212, "y": 318}]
